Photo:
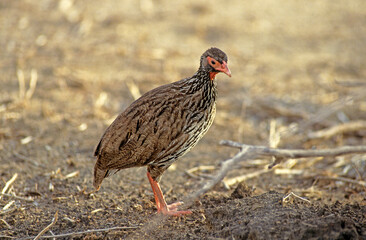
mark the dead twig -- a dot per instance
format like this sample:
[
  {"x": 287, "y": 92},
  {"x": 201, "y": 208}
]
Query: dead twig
[
  {"x": 54, "y": 220},
  {"x": 248, "y": 152},
  {"x": 9, "y": 183},
  {"x": 16, "y": 197},
  {"x": 338, "y": 129},
  {"x": 323, "y": 113},
  {"x": 84, "y": 232},
  {"x": 71, "y": 175},
  {"x": 21, "y": 81},
  {"x": 357, "y": 83},
  {"x": 280, "y": 107},
  {"x": 97, "y": 210},
  {"x": 134, "y": 89},
  {"x": 27, "y": 94},
  {"x": 32, "y": 84},
  {"x": 226, "y": 166},
  {"x": 7, "y": 211},
  {"x": 287, "y": 198},
  {"x": 6, "y": 223},
  {"x": 201, "y": 168},
  {"x": 295, "y": 153},
  {"x": 7, "y": 206},
  {"x": 231, "y": 181},
  {"x": 190, "y": 172},
  {"x": 286, "y": 171},
  {"x": 343, "y": 179},
  {"x": 274, "y": 137}
]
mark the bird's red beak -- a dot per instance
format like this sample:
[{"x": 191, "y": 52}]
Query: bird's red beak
[{"x": 224, "y": 68}]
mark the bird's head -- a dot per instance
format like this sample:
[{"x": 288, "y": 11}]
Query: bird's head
[{"x": 214, "y": 61}]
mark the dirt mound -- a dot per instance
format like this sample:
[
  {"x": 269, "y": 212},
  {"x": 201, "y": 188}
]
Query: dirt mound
[{"x": 267, "y": 217}]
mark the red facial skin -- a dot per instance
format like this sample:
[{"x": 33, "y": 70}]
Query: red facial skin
[{"x": 220, "y": 67}]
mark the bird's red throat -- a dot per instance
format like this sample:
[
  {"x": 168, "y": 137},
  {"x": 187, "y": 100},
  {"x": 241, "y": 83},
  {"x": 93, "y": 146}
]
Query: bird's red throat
[{"x": 213, "y": 75}]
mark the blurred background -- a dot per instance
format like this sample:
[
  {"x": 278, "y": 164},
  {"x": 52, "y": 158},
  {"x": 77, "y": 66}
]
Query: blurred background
[
  {"x": 90, "y": 59},
  {"x": 67, "y": 68}
]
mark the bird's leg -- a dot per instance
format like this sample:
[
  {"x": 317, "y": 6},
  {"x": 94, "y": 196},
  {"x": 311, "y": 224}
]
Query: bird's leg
[
  {"x": 158, "y": 206},
  {"x": 160, "y": 201}
]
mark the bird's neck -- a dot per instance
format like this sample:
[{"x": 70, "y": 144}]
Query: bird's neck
[
  {"x": 201, "y": 82},
  {"x": 202, "y": 75}
]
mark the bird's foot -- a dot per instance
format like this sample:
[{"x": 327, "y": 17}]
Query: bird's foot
[
  {"x": 174, "y": 213},
  {"x": 172, "y": 210}
]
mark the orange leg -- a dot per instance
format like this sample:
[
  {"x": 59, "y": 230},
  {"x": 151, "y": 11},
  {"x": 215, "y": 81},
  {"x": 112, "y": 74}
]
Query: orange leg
[{"x": 161, "y": 205}]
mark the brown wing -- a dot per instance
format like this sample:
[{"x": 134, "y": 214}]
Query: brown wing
[{"x": 148, "y": 130}]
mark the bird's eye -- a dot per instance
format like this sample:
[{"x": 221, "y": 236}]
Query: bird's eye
[{"x": 212, "y": 62}]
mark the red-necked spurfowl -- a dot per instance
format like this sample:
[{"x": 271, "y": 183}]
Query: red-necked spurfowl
[{"x": 161, "y": 126}]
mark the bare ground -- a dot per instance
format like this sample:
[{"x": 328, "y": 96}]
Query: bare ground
[{"x": 89, "y": 59}]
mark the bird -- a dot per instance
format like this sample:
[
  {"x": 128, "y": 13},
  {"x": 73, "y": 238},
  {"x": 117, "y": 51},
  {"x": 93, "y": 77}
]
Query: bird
[{"x": 161, "y": 126}]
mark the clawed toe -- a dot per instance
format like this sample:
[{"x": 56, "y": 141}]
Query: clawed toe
[
  {"x": 172, "y": 210},
  {"x": 174, "y": 206},
  {"x": 176, "y": 213}
]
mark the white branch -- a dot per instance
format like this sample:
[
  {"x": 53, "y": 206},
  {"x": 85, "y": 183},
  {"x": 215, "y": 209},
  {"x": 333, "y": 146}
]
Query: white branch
[
  {"x": 248, "y": 152},
  {"x": 54, "y": 220}
]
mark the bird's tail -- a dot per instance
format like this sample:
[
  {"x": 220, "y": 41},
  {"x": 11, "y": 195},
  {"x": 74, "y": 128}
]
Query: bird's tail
[{"x": 99, "y": 175}]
